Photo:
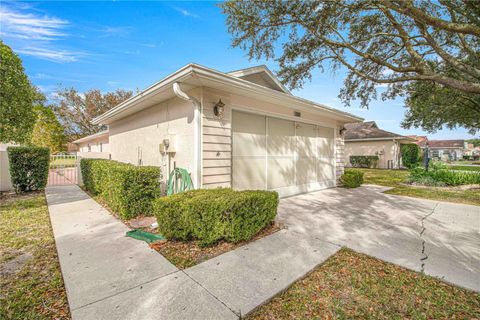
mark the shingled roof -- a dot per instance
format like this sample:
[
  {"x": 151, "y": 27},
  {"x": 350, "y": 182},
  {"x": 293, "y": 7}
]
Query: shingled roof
[
  {"x": 441, "y": 144},
  {"x": 369, "y": 130}
]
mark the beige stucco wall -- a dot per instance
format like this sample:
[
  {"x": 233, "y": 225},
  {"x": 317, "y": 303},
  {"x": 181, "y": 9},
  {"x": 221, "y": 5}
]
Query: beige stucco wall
[
  {"x": 389, "y": 149},
  {"x": 217, "y": 135},
  {"x": 136, "y": 138}
]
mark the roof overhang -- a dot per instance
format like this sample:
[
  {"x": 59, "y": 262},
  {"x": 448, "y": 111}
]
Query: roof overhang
[
  {"x": 94, "y": 136},
  {"x": 399, "y": 139},
  {"x": 268, "y": 76},
  {"x": 194, "y": 75}
]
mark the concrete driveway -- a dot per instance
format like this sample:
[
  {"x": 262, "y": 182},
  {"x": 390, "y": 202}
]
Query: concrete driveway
[{"x": 438, "y": 238}]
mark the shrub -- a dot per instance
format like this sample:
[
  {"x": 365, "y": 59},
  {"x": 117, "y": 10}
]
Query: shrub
[
  {"x": 28, "y": 167},
  {"x": 364, "y": 161},
  {"x": 441, "y": 175},
  {"x": 127, "y": 189},
  {"x": 410, "y": 155},
  {"x": 215, "y": 214},
  {"x": 351, "y": 178}
]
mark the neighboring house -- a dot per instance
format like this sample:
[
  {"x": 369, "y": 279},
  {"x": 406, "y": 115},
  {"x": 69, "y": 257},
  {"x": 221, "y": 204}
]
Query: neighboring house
[
  {"x": 366, "y": 139},
  {"x": 241, "y": 129},
  {"x": 421, "y": 141},
  {"x": 446, "y": 150},
  {"x": 94, "y": 146}
]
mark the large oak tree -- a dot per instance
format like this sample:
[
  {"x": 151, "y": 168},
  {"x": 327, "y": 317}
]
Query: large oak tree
[
  {"x": 406, "y": 46},
  {"x": 76, "y": 110}
]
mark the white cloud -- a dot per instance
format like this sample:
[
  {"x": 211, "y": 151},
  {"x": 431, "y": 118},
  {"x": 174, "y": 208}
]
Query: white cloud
[
  {"x": 51, "y": 55},
  {"x": 110, "y": 31},
  {"x": 186, "y": 13},
  {"x": 113, "y": 83},
  {"x": 30, "y": 26},
  {"x": 36, "y": 34}
]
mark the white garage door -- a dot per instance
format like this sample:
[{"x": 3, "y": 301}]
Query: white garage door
[{"x": 286, "y": 156}]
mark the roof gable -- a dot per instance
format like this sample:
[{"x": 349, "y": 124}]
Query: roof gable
[
  {"x": 446, "y": 143},
  {"x": 368, "y": 130},
  {"x": 260, "y": 75}
]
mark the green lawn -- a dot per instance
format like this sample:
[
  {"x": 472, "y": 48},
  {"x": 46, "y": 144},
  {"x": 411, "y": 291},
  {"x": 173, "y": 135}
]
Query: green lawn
[
  {"x": 351, "y": 285},
  {"x": 64, "y": 162},
  {"x": 31, "y": 282},
  {"x": 397, "y": 178}
]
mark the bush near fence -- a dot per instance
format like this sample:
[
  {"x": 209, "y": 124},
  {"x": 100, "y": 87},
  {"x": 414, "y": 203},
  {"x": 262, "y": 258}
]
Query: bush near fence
[
  {"x": 127, "y": 189},
  {"x": 28, "y": 168},
  {"x": 364, "y": 161},
  {"x": 215, "y": 214}
]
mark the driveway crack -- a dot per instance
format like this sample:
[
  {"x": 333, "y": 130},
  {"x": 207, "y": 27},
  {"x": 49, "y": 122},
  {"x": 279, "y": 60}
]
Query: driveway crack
[{"x": 424, "y": 258}]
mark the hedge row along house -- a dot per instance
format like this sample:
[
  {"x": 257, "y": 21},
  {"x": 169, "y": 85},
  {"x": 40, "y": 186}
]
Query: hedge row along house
[
  {"x": 241, "y": 129},
  {"x": 367, "y": 139}
]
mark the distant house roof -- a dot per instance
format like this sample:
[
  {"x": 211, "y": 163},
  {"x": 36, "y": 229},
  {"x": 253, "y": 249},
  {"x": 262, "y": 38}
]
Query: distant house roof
[
  {"x": 92, "y": 136},
  {"x": 421, "y": 141},
  {"x": 369, "y": 131},
  {"x": 444, "y": 144}
]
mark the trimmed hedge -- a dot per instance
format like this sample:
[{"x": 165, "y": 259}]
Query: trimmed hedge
[
  {"x": 364, "y": 161},
  {"x": 410, "y": 155},
  {"x": 209, "y": 215},
  {"x": 28, "y": 168},
  {"x": 351, "y": 178},
  {"x": 127, "y": 189}
]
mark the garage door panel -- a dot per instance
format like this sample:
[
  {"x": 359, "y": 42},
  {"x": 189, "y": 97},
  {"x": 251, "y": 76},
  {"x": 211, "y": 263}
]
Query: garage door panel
[
  {"x": 281, "y": 172},
  {"x": 306, "y": 171},
  {"x": 325, "y": 169},
  {"x": 248, "y": 134},
  {"x": 306, "y": 140},
  {"x": 280, "y": 137},
  {"x": 249, "y": 173},
  {"x": 325, "y": 142}
]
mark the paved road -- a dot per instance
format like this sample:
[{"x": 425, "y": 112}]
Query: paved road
[{"x": 439, "y": 238}]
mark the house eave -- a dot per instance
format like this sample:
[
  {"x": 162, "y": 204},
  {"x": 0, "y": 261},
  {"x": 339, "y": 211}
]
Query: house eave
[
  {"x": 399, "y": 138},
  {"x": 198, "y": 75}
]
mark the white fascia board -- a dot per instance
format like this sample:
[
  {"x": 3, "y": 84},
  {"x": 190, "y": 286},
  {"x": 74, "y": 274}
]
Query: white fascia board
[
  {"x": 92, "y": 136},
  {"x": 198, "y": 71},
  {"x": 308, "y": 105},
  {"x": 177, "y": 76}
]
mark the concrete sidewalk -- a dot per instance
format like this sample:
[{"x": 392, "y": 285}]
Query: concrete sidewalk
[{"x": 110, "y": 276}]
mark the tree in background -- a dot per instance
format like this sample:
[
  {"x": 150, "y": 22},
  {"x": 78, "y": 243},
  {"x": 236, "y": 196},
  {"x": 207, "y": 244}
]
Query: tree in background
[
  {"x": 410, "y": 155},
  {"x": 17, "y": 98},
  {"x": 47, "y": 131},
  {"x": 405, "y": 46},
  {"x": 76, "y": 110}
]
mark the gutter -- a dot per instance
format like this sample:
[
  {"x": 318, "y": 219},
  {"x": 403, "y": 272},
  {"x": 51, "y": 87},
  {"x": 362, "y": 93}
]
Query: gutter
[{"x": 197, "y": 127}]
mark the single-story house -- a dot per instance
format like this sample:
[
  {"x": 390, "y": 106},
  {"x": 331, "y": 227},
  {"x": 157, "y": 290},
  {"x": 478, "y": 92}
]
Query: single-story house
[
  {"x": 241, "y": 129},
  {"x": 366, "y": 139},
  {"x": 446, "y": 150},
  {"x": 94, "y": 146}
]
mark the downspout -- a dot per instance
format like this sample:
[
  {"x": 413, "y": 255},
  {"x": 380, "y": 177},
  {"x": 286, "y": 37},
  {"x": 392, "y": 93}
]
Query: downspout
[{"x": 197, "y": 126}]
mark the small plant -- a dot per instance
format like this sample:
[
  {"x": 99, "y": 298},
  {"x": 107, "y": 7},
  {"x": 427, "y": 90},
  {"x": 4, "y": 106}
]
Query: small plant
[
  {"x": 364, "y": 161},
  {"x": 351, "y": 178},
  {"x": 28, "y": 168},
  {"x": 215, "y": 214}
]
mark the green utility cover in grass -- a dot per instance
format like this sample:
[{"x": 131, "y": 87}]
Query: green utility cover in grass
[{"x": 145, "y": 236}]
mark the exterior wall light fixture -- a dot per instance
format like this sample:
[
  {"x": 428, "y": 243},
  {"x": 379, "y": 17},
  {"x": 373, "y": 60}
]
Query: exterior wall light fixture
[{"x": 218, "y": 109}]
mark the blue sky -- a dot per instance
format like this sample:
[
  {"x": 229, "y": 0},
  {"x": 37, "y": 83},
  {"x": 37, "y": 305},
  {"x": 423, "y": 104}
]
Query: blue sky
[{"x": 130, "y": 45}]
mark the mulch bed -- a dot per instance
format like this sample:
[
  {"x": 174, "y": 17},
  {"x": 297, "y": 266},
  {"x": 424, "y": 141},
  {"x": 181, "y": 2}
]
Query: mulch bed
[{"x": 185, "y": 254}]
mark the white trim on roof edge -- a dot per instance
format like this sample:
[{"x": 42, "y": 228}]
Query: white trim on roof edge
[{"x": 198, "y": 71}]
